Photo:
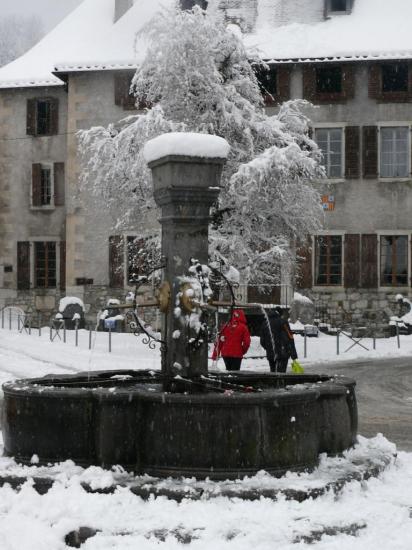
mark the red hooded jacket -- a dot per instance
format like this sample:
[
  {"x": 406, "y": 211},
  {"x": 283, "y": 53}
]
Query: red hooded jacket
[{"x": 234, "y": 337}]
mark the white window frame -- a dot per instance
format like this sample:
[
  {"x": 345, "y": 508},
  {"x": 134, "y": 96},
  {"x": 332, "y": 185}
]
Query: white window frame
[
  {"x": 328, "y": 288},
  {"x": 334, "y": 126},
  {"x": 48, "y": 165},
  {"x": 33, "y": 240},
  {"x": 395, "y": 124},
  {"x": 394, "y": 232}
]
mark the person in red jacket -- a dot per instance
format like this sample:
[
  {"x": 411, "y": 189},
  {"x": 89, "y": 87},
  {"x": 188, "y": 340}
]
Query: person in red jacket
[{"x": 233, "y": 341}]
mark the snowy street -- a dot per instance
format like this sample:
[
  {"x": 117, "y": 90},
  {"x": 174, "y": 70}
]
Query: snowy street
[{"x": 363, "y": 514}]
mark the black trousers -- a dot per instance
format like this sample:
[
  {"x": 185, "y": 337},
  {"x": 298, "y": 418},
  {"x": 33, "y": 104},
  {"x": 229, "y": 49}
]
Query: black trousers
[
  {"x": 279, "y": 364},
  {"x": 232, "y": 363}
]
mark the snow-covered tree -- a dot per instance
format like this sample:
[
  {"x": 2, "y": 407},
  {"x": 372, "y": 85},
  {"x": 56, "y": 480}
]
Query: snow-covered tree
[
  {"x": 18, "y": 33},
  {"x": 198, "y": 77}
]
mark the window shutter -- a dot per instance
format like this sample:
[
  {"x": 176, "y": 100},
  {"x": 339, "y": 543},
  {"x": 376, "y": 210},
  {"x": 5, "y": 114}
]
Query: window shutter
[
  {"x": 410, "y": 81},
  {"x": 304, "y": 265},
  {"x": 122, "y": 96},
  {"x": 369, "y": 261},
  {"x": 283, "y": 83},
  {"x": 59, "y": 191},
  {"x": 119, "y": 85},
  {"x": 23, "y": 265},
  {"x": 370, "y": 151},
  {"x": 116, "y": 262},
  {"x": 352, "y": 152},
  {"x": 54, "y": 116},
  {"x": 36, "y": 185},
  {"x": 375, "y": 82},
  {"x": 348, "y": 81},
  {"x": 31, "y": 117},
  {"x": 411, "y": 258},
  {"x": 309, "y": 82},
  {"x": 352, "y": 261},
  {"x": 63, "y": 265}
]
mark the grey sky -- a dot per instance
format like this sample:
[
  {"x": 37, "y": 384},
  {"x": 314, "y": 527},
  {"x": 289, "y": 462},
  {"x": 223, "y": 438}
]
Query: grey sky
[{"x": 50, "y": 11}]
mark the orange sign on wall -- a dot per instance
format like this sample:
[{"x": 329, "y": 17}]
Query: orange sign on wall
[{"x": 328, "y": 202}]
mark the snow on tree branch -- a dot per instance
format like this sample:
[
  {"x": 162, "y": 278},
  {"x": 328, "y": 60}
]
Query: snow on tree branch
[{"x": 199, "y": 78}]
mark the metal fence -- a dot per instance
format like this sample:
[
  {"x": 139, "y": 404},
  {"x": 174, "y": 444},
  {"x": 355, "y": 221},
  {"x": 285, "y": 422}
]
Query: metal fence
[{"x": 13, "y": 318}]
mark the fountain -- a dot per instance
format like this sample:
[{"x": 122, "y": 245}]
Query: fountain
[{"x": 182, "y": 421}]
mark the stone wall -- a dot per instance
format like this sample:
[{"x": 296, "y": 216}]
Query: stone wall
[{"x": 355, "y": 307}]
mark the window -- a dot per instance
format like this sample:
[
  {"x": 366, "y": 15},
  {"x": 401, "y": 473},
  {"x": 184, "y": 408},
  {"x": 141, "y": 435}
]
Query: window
[
  {"x": 394, "y": 152},
  {"x": 135, "y": 258},
  {"x": 330, "y": 141},
  {"x": 395, "y": 77},
  {"x": 339, "y": 6},
  {"x": 329, "y": 80},
  {"x": 394, "y": 260},
  {"x": 188, "y": 4},
  {"x": 45, "y": 264},
  {"x": 122, "y": 96},
  {"x": 42, "y": 185},
  {"x": 42, "y": 117},
  {"x": 267, "y": 80},
  {"x": 328, "y": 260},
  {"x": 131, "y": 257},
  {"x": 48, "y": 185},
  {"x": 45, "y": 186},
  {"x": 329, "y": 83}
]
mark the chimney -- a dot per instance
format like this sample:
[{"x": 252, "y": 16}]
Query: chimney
[{"x": 121, "y": 7}]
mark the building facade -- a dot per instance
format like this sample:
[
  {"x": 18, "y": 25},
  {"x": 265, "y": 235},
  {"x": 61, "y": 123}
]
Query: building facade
[{"x": 52, "y": 244}]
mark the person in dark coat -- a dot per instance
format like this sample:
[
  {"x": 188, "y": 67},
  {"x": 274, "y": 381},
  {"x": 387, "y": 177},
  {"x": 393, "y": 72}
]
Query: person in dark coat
[
  {"x": 233, "y": 341},
  {"x": 277, "y": 340}
]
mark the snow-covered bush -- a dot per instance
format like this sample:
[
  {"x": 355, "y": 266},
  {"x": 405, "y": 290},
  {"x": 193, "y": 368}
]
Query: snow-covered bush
[{"x": 198, "y": 77}]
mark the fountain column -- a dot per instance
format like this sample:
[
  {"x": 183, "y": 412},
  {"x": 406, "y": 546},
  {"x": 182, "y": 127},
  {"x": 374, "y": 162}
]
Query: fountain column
[{"x": 186, "y": 171}]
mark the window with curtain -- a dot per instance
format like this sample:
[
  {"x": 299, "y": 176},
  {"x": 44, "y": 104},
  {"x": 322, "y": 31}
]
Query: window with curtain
[
  {"x": 45, "y": 264},
  {"x": 330, "y": 141},
  {"x": 394, "y": 260},
  {"x": 394, "y": 152},
  {"x": 328, "y": 260}
]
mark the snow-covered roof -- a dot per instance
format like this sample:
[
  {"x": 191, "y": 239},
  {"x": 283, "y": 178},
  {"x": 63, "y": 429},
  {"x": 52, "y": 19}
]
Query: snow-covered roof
[
  {"x": 88, "y": 39},
  {"x": 376, "y": 29}
]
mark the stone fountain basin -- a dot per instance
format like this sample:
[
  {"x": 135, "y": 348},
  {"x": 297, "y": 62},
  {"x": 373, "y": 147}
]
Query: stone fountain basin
[{"x": 125, "y": 418}]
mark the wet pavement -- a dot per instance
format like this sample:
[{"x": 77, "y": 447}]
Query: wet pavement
[{"x": 384, "y": 394}]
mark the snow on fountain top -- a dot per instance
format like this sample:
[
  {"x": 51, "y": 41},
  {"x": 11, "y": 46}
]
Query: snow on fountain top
[{"x": 188, "y": 144}]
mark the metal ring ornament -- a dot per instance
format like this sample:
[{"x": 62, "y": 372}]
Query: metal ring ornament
[{"x": 148, "y": 339}]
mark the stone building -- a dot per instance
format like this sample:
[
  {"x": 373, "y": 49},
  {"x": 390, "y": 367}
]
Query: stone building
[
  {"x": 78, "y": 76},
  {"x": 352, "y": 61}
]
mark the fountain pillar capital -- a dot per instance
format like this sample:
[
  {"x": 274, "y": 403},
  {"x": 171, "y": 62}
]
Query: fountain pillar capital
[{"x": 185, "y": 184}]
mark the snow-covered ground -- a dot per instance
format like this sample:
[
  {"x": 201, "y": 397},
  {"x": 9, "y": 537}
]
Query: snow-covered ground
[
  {"x": 23, "y": 356},
  {"x": 365, "y": 515}
]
